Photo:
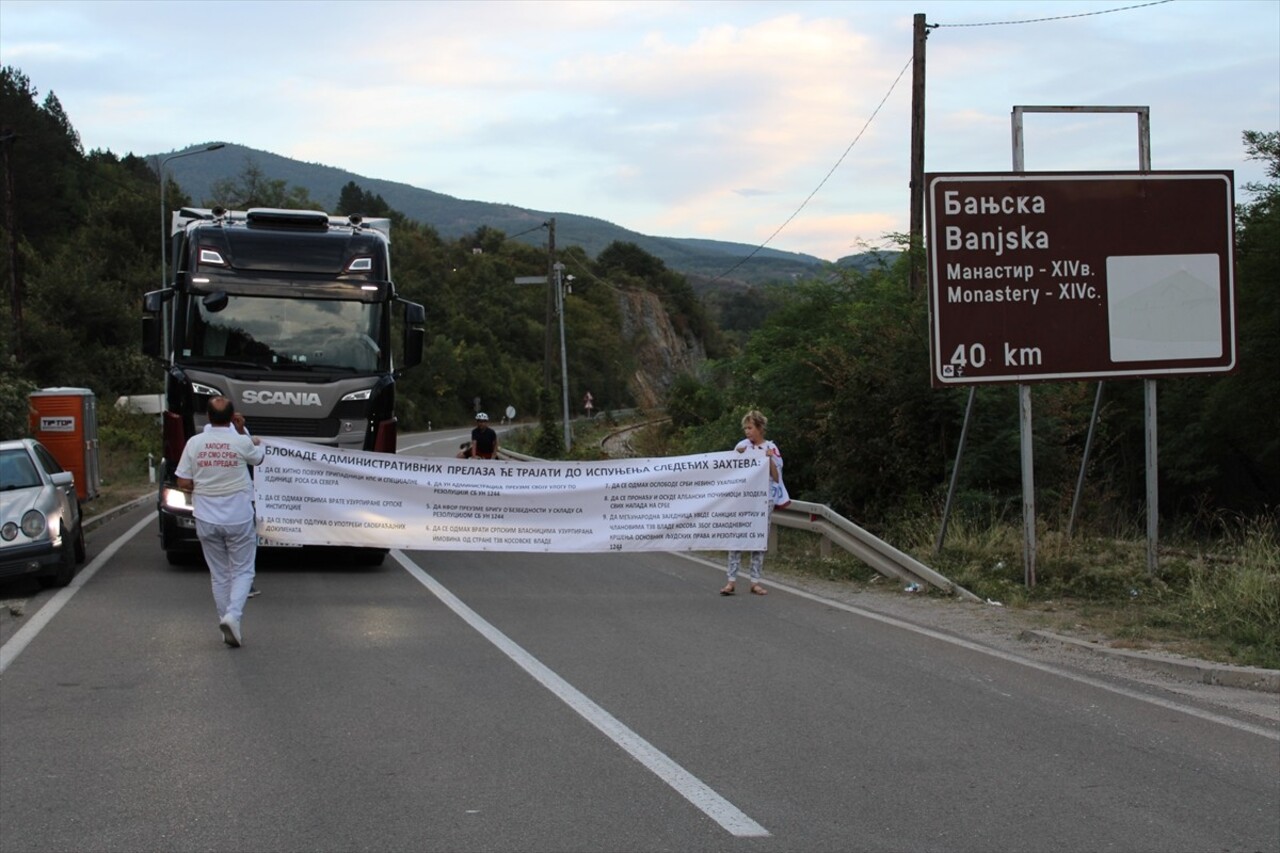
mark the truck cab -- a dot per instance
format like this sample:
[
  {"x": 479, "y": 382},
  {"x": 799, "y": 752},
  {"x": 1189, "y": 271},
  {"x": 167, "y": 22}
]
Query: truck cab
[{"x": 290, "y": 314}]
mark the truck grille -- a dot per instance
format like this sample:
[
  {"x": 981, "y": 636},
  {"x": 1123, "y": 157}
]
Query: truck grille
[{"x": 293, "y": 427}]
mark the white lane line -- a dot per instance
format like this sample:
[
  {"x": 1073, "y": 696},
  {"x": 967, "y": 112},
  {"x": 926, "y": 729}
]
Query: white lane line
[
  {"x": 714, "y": 806},
  {"x": 464, "y": 434},
  {"x": 44, "y": 615},
  {"x": 1013, "y": 658},
  {"x": 441, "y": 440}
]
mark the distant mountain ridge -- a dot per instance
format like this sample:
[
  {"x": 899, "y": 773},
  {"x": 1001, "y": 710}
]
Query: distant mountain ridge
[{"x": 455, "y": 217}]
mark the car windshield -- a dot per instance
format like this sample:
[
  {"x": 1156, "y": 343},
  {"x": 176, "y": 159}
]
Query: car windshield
[
  {"x": 17, "y": 470},
  {"x": 285, "y": 333}
]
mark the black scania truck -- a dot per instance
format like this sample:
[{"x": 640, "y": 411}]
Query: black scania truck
[{"x": 290, "y": 313}]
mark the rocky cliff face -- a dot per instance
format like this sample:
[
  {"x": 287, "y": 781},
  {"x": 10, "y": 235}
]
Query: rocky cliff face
[{"x": 661, "y": 351}]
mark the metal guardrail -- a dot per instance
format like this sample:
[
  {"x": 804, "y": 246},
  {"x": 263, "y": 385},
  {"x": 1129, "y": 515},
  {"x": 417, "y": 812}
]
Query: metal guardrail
[
  {"x": 823, "y": 520},
  {"x": 875, "y": 552}
]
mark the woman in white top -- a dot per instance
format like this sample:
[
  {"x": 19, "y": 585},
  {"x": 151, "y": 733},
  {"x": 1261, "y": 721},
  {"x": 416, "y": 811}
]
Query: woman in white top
[{"x": 753, "y": 426}]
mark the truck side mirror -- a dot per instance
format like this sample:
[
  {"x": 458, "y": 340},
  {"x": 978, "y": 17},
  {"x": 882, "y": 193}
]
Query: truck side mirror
[
  {"x": 415, "y": 319},
  {"x": 153, "y": 322}
]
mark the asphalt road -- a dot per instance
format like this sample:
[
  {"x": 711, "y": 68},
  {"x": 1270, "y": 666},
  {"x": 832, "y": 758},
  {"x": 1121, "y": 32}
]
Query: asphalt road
[{"x": 461, "y": 701}]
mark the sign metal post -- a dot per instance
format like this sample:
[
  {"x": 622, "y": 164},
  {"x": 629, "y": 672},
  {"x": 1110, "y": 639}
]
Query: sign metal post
[{"x": 1080, "y": 275}]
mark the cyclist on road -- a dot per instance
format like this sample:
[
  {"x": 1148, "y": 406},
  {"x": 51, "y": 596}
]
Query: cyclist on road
[{"x": 484, "y": 441}]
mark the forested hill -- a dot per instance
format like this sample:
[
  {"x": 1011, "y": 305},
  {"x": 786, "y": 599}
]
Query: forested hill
[{"x": 455, "y": 217}]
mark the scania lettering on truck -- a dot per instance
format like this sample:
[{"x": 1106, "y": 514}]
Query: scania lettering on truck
[{"x": 289, "y": 313}]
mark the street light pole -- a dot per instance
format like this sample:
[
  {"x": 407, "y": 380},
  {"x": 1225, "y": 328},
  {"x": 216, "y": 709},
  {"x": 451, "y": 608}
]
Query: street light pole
[
  {"x": 164, "y": 232},
  {"x": 564, "y": 363},
  {"x": 555, "y": 281}
]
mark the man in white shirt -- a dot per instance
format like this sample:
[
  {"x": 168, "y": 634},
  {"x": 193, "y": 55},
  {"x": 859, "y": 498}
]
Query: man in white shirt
[
  {"x": 214, "y": 468},
  {"x": 238, "y": 422}
]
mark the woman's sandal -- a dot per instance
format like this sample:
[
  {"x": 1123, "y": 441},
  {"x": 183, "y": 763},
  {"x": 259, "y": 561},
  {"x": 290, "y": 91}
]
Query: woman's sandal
[
  {"x": 756, "y": 589},
  {"x": 728, "y": 589}
]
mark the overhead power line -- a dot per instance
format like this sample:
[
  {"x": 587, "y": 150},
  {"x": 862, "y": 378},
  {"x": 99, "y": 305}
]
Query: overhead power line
[
  {"x": 1056, "y": 17},
  {"x": 809, "y": 198},
  {"x": 537, "y": 227},
  {"x": 779, "y": 229}
]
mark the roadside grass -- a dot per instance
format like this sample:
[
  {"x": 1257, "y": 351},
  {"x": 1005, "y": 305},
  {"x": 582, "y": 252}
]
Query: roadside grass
[
  {"x": 124, "y": 440},
  {"x": 1220, "y": 604},
  {"x": 1214, "y": 595}
]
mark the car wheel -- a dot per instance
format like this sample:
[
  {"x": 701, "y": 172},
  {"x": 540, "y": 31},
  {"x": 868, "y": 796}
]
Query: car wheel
[
  {"x": 66, "y": 569},
  {"x": 81, "y": 551}
]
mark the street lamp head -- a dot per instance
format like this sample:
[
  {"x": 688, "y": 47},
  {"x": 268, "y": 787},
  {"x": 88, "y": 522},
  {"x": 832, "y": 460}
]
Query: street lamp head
[
  {"x": 164, "y": 232},
  {"x": 212, "y": 146}
]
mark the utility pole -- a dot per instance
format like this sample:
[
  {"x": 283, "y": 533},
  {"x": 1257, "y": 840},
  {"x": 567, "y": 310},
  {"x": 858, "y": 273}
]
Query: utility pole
[
  {"x": 917, "y": 155},
  {"x": 555, "y": 290},
  {"x": 548, "y": 343},
  {"x": 7, "y": 138}
]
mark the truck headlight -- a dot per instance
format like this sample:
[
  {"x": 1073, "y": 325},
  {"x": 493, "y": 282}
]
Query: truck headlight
[
  {"x": 176, "y": 499},
  {"x": 205, "y": 390}
]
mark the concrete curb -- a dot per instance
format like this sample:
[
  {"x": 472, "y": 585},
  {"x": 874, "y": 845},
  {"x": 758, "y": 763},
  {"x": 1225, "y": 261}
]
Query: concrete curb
[
  {"x": 1205, "y": 672},
  {"x": 92, "y": 521}
]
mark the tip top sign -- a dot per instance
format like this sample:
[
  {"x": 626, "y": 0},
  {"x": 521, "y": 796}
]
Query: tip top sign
[{"x": 58, "y": 424}]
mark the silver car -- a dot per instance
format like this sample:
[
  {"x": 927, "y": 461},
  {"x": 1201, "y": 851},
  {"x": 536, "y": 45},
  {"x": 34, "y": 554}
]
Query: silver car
[{"x": 41, "y": 528}]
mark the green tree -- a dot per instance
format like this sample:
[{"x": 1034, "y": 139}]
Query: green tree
[
  {"x": 45, "y": 162},
  {"x": 840, "y": 367},
  {"x": 694, "y": 402},
  {"x": 548, "y": 443},
  {"x": 87, "y": 250},
  {"x": 1225, "y": 450},
  {"x": 352, "y": 199},
  {"x": 252, "y": 188},
  {"x": 84, "y": 294}
]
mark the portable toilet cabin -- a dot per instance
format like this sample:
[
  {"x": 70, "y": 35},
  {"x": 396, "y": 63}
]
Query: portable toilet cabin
[{"x": 65, "y": 420}]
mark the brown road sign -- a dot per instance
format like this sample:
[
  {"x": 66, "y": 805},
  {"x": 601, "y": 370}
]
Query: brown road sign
[{"x": 1080, "y": 275}]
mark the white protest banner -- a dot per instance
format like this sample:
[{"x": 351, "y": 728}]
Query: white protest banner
[{"x": 309, "y": 494}]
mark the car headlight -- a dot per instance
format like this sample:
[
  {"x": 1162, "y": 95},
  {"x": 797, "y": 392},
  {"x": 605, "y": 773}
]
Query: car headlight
[
  {"x": 9, "y": 532},
  {"x": 33, "y": 523}
]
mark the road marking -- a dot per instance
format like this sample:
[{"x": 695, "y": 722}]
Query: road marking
[
  {"x": 44, "y": 615},
  {"x": 714, "y": 806},
  {"x": 1011, "y": 657},
  {"x": 464, "y": 433},
  {"x": 450, "y": 439}
]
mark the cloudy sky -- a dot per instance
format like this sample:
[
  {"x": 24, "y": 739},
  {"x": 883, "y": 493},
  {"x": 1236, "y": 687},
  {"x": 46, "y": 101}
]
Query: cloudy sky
[{"x": 690, "y": 119}]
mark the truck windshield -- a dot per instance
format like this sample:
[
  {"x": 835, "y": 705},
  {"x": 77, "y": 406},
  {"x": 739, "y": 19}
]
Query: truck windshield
[{"x": 283, "y": 333}]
